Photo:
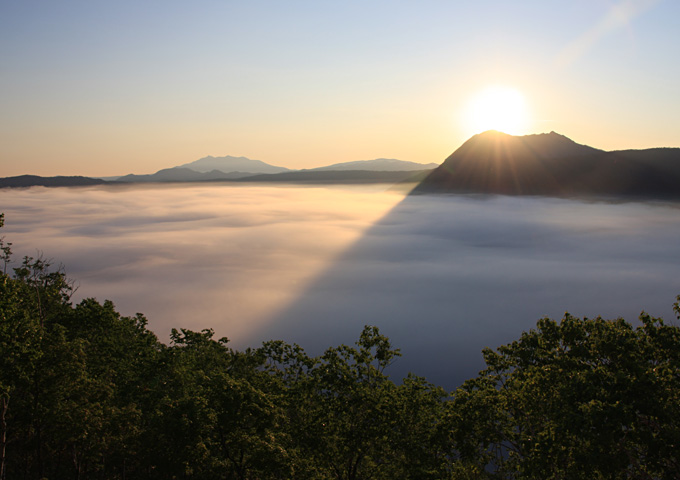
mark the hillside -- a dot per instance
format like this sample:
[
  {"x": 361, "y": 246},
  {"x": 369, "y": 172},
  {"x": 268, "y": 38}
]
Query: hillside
[
  {"x": 35, "y": 180},
  {"x": 552, "y": 164}
]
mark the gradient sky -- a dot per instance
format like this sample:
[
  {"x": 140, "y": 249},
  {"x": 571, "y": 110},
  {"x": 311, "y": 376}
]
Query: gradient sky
[{"x": 110, "y": 88}]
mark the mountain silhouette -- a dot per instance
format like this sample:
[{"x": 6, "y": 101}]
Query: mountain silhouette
[
  {"x": 229, "y": 164},
  {"x": 554, "y": 165},
  {"x": 380, "y": 170},
  {"x": 180, "y": 174},
  {"x": 492, "y": 162},
  {"x": 340, "y": 177},
  {"x": 60, "y": 181},
  {"x": 379, "y": 164}
]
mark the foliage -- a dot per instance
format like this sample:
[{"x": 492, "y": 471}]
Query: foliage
[
  {"x": 88, "y": 393},
  {"x": 576, "y": 399}
]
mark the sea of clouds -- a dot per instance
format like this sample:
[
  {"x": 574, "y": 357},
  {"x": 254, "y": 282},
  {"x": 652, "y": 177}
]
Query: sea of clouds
[{"x": 443, "y": 276}]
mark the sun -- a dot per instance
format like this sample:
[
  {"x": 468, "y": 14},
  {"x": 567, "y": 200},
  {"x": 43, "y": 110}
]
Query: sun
[{"x": 497, "y": 108}]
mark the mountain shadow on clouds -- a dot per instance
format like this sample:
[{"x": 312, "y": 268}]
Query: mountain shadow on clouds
[
  {"x": 444, "y": 276},
  {"x": 553, "y": 165}
]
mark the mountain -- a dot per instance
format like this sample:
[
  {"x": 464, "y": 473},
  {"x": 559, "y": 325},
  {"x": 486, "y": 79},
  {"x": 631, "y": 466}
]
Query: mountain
[
  {"x": 379, "y": 164},
  {"x": 491, "y": 162},
  {"x": 339, "y": 177},
  {"x": 165, "y": 175},
  {"x": 60, "y": 181},
  {"x": 256, "y": 170},
  {"x": 232, "y": 164},
  {"x": 179, "y": 174},
  {"x": 552, "y": 164}
]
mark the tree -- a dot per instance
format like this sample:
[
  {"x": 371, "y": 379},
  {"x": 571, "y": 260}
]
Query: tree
[
  {"x": 215, "y": 412},
  {"x": 39, "y": 369},
  {"x": 586, "y": 398},
  {"x": 353, "y": 422},
  {"x": 120, "y": 354},
  {"x": 69, "y": 376}
]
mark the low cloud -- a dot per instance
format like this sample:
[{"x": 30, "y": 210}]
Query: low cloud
[{"x": 442, "y": 276}]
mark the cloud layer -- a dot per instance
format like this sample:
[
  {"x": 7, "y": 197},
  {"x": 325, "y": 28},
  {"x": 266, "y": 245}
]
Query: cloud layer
[{"x": 442, "y": 276}]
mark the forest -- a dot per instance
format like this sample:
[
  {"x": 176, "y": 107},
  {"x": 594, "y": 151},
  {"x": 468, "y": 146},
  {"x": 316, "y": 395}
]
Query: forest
[{"x": 87, "y": 393}]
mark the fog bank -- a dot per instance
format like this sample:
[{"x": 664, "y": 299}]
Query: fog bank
[{"x": 442, "y": 276}]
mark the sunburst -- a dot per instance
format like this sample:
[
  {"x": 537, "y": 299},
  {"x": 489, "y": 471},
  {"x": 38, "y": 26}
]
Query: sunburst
[{"x": 497, "y": 108}]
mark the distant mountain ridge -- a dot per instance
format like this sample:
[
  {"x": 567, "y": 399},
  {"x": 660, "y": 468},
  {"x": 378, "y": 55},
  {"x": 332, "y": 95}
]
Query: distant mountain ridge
[
  {"x": 229, "y": 164},
  {"x": 234, "y": 168},
  {"x": 492, "y": 162},
  {"x": 180, "y": 174},
  {"x": 59, "y": 181},
  {"x": 228, "y": 168},
  {"x": 554, "y": 165},
  {"x": 379, "y": 164},
  {"x": 339, "y": 177}
]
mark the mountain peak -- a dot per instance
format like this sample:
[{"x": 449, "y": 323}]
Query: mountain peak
[
  {"x": 552, "y": 164},
  {"x": 229, "y": 164},
  {"x": 496, "y": 162},
  {"x": 540, "y": 145}
]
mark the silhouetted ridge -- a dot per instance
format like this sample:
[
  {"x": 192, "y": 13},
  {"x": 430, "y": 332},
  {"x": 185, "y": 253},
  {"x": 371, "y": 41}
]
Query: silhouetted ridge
[
  {"x": 339, "y": 176},
  {"x": 378, "y": 164},
  {"x": 60, "y": 181},
  {"x": 552, "y": 164},
  {"x": 181, "y": 174},
  {"x": 229, "y": 164}
]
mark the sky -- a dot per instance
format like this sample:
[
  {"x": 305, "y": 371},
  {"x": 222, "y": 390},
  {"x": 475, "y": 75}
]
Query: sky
[
  {"x": 110, "y": 88},
  {"x": 443, "y": 276}
]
